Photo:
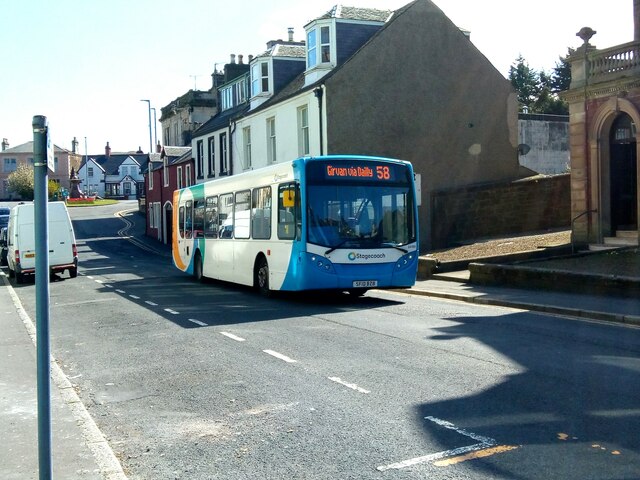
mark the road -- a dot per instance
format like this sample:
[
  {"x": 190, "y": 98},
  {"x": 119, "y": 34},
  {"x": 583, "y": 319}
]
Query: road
[{"x": 212, "y": 381}]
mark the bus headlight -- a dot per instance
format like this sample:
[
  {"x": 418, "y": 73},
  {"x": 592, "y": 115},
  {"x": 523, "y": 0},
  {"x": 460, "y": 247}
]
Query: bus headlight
[
  {"x": 321, "y": 263},
  {"x": 406, "y": 260}
]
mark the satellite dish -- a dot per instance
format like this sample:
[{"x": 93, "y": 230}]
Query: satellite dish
[{"x": 523, "y": 149}]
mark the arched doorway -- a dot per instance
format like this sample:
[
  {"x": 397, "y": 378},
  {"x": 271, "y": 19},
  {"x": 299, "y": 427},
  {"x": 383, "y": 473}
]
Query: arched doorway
[{"x": 623, "y": 175}]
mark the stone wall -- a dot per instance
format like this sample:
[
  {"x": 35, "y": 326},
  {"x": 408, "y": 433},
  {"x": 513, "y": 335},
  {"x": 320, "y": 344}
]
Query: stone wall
[
  {"x": 548, "y": 139},
  {"x": 532, "y": 204}
]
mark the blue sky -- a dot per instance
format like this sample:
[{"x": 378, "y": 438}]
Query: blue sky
[{"x": 86, "y": 64}]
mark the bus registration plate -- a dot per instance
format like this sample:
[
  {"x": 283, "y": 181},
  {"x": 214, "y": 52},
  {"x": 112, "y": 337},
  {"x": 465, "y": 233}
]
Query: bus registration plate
[{"x": 365, "y": 283}]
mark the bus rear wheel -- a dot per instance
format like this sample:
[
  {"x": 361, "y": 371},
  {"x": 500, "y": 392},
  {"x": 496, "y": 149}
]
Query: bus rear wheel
[
  {"x": 262, "y": 277},
  {"x": 197, "y": 267}
]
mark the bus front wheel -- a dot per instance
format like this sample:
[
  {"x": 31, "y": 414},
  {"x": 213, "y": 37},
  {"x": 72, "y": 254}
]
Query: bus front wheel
[{"x": 262, "y": 277}]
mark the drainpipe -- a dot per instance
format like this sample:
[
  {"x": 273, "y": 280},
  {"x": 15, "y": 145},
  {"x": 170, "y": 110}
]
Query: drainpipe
[
  {"x": 232, "y": 129},
  {"x": 318, "y": 92}
]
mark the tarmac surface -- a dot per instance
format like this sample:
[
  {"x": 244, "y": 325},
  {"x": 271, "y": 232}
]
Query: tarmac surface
[{"x": 79, "y": 450}]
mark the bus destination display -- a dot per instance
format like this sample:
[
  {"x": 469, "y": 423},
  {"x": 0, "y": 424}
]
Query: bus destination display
[{"x": 360, "y": 172}]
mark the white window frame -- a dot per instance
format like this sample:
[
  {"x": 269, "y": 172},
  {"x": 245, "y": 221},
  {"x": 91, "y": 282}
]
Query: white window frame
[
  {"x": 246, "y": 134},
  {"x": 179, "y": 182},
  {"x": 260, "y": 83},
  {"x": 303, "y": 130},
  {"x": 271, "y": 140},
  {"x": 187, "y": 174},
  {"x": 211, "y": 157}
]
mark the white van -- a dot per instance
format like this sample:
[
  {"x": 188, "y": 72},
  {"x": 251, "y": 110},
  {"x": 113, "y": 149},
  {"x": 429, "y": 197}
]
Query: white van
[{"x": 63, "y": 253}]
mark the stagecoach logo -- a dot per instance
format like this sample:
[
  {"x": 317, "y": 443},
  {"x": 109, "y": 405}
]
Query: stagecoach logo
[
  {"x": 365, "y": 256},
  {"x": 279, "y": 176}
]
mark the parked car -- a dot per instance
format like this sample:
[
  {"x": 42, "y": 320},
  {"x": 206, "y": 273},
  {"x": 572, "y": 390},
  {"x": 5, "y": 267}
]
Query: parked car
[{"x": 3, "y": 246}]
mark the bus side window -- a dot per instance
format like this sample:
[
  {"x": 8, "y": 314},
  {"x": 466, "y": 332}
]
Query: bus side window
[
  {"x": 225, "y": 206},
  {"x": 198, "y": 219},
  {"x": 288, "y": 206},
  {"x": 181, "y": 221},
  {"x": 188, "y": 219},
  {"x": 211, "y": 217},
  {"x": 261, "y": 213}
]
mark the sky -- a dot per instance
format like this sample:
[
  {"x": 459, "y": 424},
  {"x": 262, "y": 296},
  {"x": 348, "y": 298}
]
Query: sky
[{"x": 87, "y": 64}]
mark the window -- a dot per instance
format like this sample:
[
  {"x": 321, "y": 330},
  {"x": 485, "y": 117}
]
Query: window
[
  {"x": 10, "y": 165},
  {"x": 247, "y": 147},
  {"x": 325, "y": 45},
  {"x": 165, "y": 171},
  {"x": 179, "y": 182},
  {"x": 311, "y": 49},
  {"x": 90, "y": 170},
  {"x": 225, "y": 209},
  {"x": 261, "y": 213},
  {"x": 271, "y": 140},
  {"x": 212, "y": 157},
  {"x": 241, "y": 214},
  {"x": 166, "y": 136},
  {"x": 126, "y": 188},
  {"x": 187, "y": 227},
  {"x": 288, "y": 214},
  {"x": 150, "y": 176},
  {"x": 188, "y": 179},
  {"x": 198, "y": 219},
  {"x": 224, "y": 166},
  {"x": 259, "y": 78},
  {"x": 303, "y": 131},
  {"x": 200, "y": 158},
  {"x": 211, "y": 217}
]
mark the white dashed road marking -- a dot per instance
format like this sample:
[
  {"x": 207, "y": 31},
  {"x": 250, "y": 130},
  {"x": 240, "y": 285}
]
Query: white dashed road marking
[
  {"x": 172, "y": 312},
  {"x": 198, "y": 322},
  {"x": 280, "y": 356},
  {"x": 232, "y": 336},
  {"x": 352, "y": 386}
]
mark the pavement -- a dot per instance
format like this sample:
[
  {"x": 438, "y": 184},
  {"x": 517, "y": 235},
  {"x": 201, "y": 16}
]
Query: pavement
[{"x": 79, "y": 450}]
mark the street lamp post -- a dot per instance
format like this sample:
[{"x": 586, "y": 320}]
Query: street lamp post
[
  {"x": 155, "y": 130},
  {"x": 150, "y": 139}
]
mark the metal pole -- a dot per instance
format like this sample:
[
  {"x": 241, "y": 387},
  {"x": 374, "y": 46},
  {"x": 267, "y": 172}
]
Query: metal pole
[
  {"x": 41, "y": 221},
  {"x": 86, "y": 167},
  {"x": 150, "y": 137}
]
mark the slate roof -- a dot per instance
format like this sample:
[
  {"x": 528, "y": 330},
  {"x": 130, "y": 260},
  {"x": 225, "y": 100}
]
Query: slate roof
[
  {"x": 284, "y": 50},
  {"x": 175, "y": 155},
  {"x": 357, "y": 13},
  {"x": 111, "y": 163},
  {"x": 28, "y": 148},
  {"x": 221, "y": 120}
]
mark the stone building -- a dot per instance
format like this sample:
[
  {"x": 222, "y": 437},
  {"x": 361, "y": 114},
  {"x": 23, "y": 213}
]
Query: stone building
[{"x": 604, "y": 110}]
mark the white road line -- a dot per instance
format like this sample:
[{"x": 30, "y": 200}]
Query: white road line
[
  {"x": 120, "y": 291},
  {"x": 135, "y": 297},
  {"x": 280, "y": 356},
  {"x": 98, "y": 281},
  {"x": 485, "y": 442},
  {"x": 108, "y": 286},
  {"x": 232, "y": 336},
  {"x": 89, "y": 276},
  {"x": 352, "y": 386},
  {"x": 198, "y": 322},
  {"x": 172, "y": 312},
  {"x": 148, "y": 302}
]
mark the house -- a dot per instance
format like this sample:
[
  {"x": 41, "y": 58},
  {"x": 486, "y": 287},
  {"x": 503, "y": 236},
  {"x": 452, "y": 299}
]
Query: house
[
  {"x": 113, "y": 174},
  {"x": 604, "y": 114},
  {"x": 401, "y": 84},
  {"x": 169, "y": 170},
  {"x": 181, "y": 117},
  {"x": 11, "y": 158}
]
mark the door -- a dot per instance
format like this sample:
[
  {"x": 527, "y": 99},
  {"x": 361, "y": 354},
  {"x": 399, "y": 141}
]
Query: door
[{"x": 624, "y": 175}]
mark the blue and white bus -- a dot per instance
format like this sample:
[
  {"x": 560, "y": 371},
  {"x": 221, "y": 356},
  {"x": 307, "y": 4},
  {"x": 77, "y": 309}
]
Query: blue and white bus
[{"x": 345, "y": 223}]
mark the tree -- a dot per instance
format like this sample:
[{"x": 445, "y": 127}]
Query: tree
[
  {"x": 538, "y": 91},
  {"x": 21, "y": 182}
]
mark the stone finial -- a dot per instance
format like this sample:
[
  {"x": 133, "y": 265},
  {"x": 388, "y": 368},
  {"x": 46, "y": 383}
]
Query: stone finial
[{"x": 585, "y": 34}]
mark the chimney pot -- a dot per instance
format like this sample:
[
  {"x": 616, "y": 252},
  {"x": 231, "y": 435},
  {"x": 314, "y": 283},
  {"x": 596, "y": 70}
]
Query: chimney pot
[
  {"x": 5, "y": 144},
  {"x": 233, "y": 58},
  {"x": 250, "y": 58},
  {"x": 240, "y": 59},
  {"x": 107, "y": 150},
  {"x": 290, "y": 31}
]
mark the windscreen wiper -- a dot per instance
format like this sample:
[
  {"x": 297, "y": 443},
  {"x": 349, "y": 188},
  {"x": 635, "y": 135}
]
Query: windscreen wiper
[{"x": 337, "y": 246}]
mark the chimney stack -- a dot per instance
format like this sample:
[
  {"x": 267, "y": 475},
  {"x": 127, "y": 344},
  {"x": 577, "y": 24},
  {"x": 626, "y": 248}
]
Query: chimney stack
[
  {"x": 233, "y": 58},
  {"x": 74, "y": 145},
  {"x": 158, "y": 148},
  {"x": 107, "y": 150},
  {"x": 290, "y": 31},
  {"x": 5, "y": 144}
]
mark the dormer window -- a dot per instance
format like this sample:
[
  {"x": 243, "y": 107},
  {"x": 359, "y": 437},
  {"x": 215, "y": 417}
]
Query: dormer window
[
  {"x": 259, "y": 78},
  {"x": 318, "y": 46}
]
